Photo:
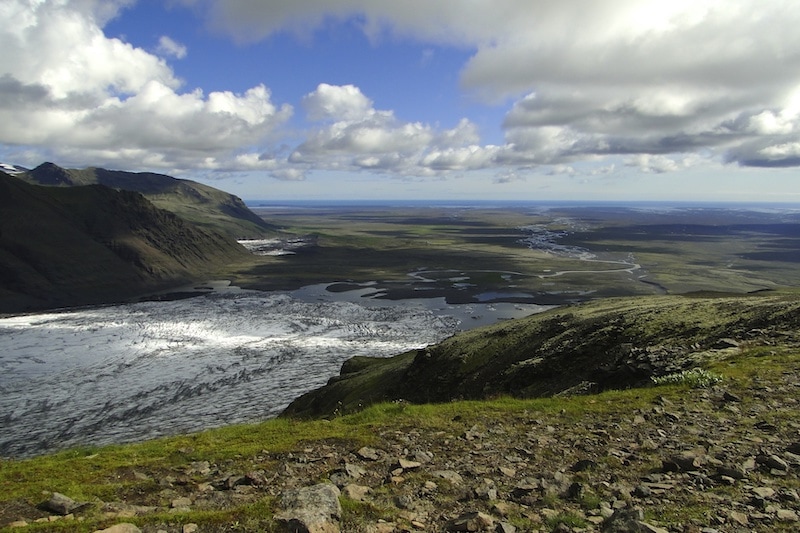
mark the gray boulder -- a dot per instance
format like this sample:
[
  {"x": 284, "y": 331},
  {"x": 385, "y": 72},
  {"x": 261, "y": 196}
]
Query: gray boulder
[
  {"x": 61, "y": 504},
  {"x": 314, "y": 509}
]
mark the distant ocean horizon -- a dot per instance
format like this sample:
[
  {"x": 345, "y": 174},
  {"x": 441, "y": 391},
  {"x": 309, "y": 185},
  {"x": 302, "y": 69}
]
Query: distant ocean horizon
[{"x": 489, "y": 204}]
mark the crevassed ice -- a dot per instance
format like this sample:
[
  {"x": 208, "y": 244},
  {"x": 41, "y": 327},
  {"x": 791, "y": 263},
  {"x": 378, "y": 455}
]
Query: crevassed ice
[{"x": 130, "y": 372}]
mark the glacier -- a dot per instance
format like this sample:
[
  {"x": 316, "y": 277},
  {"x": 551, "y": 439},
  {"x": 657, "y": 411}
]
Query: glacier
[{"x": 130, "y": 372}]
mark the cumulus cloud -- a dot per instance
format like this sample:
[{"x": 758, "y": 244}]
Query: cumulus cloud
[
  {"x": 353, "y": 135},
  {"x": 66, "y": 86},
  {"x": 597, "y": 78},
  {"x": 653, "y": 85},
  {"x": 337, "y": 103}
]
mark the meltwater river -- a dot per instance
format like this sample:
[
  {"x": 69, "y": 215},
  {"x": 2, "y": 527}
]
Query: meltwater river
[{"x": 131, "y": 372}]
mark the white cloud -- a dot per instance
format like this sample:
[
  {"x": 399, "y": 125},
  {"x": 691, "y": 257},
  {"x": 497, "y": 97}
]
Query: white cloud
[
  {"x": 660, "y": 86},
  {"x": 168, "y": 47},
  {"x": 353, "y": 135},
  {"x": 289, "y": 174},
  {"x": 471, "y": 157},
  {"x": 331, "y": 102},
  {"x": 557, "y": 170},
  {"x": 623, "y": 77},
  {"x": 508, "y": 176},
  {"x": 85, "y": 97},
  {"x": 655, "y": 164},
  {"x": 253, "y": 161},
  {"x": 59, "y": 45}
]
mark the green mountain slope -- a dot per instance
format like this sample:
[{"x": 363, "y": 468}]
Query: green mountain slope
[
  {"x": 605, "y": 344},
  {"x": 80, "y": 245},
  {"x": 192, "y": 201}
]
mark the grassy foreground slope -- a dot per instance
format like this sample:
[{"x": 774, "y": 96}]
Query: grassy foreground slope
[
  {"x": 604, "y": 344},
  {"x": 82, "y": 245},
  {"x": 678, "y": 458},
  {"x": 194, "y": 202}
]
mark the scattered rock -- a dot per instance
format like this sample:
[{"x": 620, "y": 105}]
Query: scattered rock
[
  {"x": 728, "y": 396},
  {"x": 683, "y": 462},
  {"x": 772, "y": 462},
  {"x": 764, "y": 492},
  {"x": 731, "y": 472},
  {"x": 405, "y": 464},
  {"x": 739, "y": 518},
  {"x": 722, "y": 344},
  {"x": 356, "y": 492},
  {"x": 61, "y": 504},
  {"x": 202, "y": 468},
  {"x": 629, "y": 520},
  {"x": 787, "y": 515},
  {"x": 507, "y": 471},
  {"x": 181, "y": 503},
  {"x": 505, "y": 527},
  {"x": 584, "y": 464},
  {"x": 314, "y": 509},
  {"x": 121, "y": 528},
  {"x": 448, "y": 475},
  {"x": 368, "y": 454},
  {"x": 473, "y": 521}
]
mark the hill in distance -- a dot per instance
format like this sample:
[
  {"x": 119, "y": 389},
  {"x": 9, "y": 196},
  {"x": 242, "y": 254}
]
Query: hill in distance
[
  {"x": 197, "y": 203},
  {"x": 67, "y": 246}
]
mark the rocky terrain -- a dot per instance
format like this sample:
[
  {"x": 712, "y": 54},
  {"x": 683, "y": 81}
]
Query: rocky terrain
[{"x": 704, "y": 456}]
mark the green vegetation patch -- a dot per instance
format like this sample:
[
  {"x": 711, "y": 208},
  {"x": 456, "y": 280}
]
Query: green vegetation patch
[{"x": 696, "y": 378}]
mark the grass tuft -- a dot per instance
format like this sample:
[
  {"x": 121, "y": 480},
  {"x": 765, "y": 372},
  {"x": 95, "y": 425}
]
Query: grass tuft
[{"x": 696, "y": 378}]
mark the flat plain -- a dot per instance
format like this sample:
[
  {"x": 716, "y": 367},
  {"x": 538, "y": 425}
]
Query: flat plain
[{"x": 532, "y": 254}]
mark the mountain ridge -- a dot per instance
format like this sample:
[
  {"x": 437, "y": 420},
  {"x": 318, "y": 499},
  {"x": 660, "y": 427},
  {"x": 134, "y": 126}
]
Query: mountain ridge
[
  {"x": 67, "y": 246},
  {"x": 193, "y": 201}
]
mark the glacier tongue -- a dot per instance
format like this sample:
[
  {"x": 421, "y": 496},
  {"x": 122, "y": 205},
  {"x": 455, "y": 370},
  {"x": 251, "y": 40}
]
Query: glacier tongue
[{"x": 136, "y": 371}]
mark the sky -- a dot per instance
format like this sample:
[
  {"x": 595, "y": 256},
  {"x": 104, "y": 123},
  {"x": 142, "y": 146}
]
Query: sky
[{"x": 420, "y": 99}]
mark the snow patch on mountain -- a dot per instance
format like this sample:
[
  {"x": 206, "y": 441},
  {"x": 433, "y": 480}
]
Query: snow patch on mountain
[{"x": 12, "y": 169}]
